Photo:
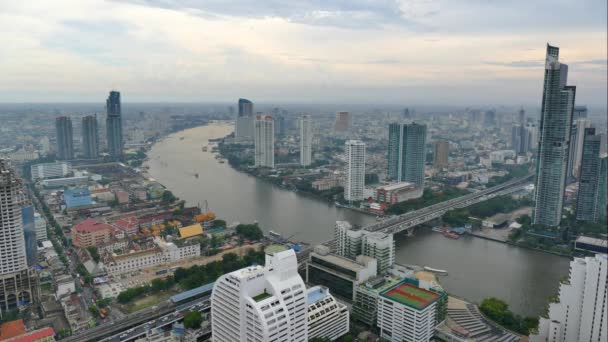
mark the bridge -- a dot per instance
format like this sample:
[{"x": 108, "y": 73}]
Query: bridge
[{"x": 413, "y": 218}]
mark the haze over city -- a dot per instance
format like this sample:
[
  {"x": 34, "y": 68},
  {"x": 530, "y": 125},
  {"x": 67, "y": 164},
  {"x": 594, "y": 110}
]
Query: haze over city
[{"x": 420, "y": 52}]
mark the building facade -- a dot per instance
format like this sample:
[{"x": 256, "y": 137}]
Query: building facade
[
  {"x": 351, "y": 243},
  {"x": 91, "y": 232},
  {"x": 264, "y": 141},
  {"x": 327, "y": 318},
  {"x": 90, "y": 137},
  {"x": 587, "y": 204},
  {"x": 50, "y": 170},
  {"x": 305, "y": 140},
  {"x": 261, "y": 303},
  {"x": 114, "y": 137},
  {"x": 602, "y": 196},
  {"x": 16, "y": 282},
  {"x": 442, "y": 150},
  {"x": 355, "y": 170},
  {"x": 555, "y": 127},
  {"x": 406, "y": 153},
  {"x": 40, "y": 226},
  {"x": 577, "y": 140},
  {"x": 65, "y": 139},
  {"x": 244, "y": 120},
  {"x": 343, "y": 122},
  {"x": 581, "y": 314}
]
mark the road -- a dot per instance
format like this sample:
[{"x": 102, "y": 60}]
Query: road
[{"x": 413, "y": 218}]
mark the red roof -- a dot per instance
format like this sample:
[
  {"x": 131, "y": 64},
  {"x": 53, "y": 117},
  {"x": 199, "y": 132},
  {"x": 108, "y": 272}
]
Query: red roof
[
  {"x": 35, "y": 335},
  {"x": 127, "y": 222},
  {"x": 11, "y": 329},
  {"x": 91, "y": 225}
]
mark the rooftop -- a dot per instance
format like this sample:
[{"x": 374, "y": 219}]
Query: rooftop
[
  {"x": 127, "y": 222},
  {"x": 35, "y": 335},
  {"x": 272, "y": 249},
  {"x": 592, "y": 241},
  {"x": 11, "y": 329},
  {"x": 190, "y": 231},
  {"x": 261, "y": 296},
  {"x": 397, "y": 186},
  {"x": 191, "y": 293},
  {"x": 340, "y": 261},
  {"x": 410, "y": 295},
  {"x": 90, "y": 225},
  {"x": 317, "y": 293}
]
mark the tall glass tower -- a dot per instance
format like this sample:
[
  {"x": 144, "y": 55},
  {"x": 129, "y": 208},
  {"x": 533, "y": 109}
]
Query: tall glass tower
[
  {"x": 114, "y": 124},
  {"x": 406, "y": 152},
  {"x": 587, "y": 208},
  {"x": 65, "y": 140},
  {"x": 554, "y": 141},
  {"x": 90, "y": 137}
]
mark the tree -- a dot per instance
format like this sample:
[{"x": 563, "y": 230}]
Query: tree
[
  {"x": 94, "y": 253},
  {"x": 168, "y": 197},
  {"x": 193, "y": 320},
  {"x": 249, "y": 231}
]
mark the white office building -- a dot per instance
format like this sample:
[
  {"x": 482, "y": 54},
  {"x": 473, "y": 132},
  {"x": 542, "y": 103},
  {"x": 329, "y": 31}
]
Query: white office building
[
  {"x": 264, "y": 141},
  {"x": 581, "y": 313},
  {"x": 407, "y": 312},
  {"x": 305, "y": 140},
  {"x": 40, "y": 225},
  {"x": 355, "y": 170},
  {"x": 261, "y": 303},
  {"x": 50, "y": 170},
  {"x": 350, "y": 243},
  {"x": 327, "y": 318}
]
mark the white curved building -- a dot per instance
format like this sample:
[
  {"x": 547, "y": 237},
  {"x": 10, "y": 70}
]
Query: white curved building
[{"x": 261, "y": 303}]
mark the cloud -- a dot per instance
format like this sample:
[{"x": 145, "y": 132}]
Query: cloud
[{"x": 518, "y": 64}]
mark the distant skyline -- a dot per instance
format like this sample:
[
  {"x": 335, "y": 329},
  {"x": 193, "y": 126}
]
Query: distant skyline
[{"x": 457, "y": 52}]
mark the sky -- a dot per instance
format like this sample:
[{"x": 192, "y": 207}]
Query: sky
[{"x": 429, "y": 52}]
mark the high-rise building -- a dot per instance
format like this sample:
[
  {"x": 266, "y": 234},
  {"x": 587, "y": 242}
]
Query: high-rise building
[
  {"x": 407, "y": 312},
  {"x": 581, "y": 313},
  {"x": 114, "y": 124},
  {"x": 532, "y": 133},
  {"x": 521, "y": 117},
  {"x": 327, "y": 318},
  {"x": 343, "y": 122},
  {"x": 577, "y": 137},
  {"x": 264, "y": 141},
  {"x": 261, "y": 303},
  {"x": 579, "y": 112},
  {"x": 602, "y": 196},
  {"x": 351, "y": 243},
  {"x": 29, "y": 233},
  {"x": 280, "y": 125},
  {"x": 244, "y": 127},
  {"x": 406, "y": 114},
  {"x": 90, "y": 137},
  {"x": 406, "y": 152},
  {"x": 65, "y": 140},
  {"x": 520, "y": 139},
  {"x": 40, "y": 226},
  {"x": 489, "y": 118},
  {"x": 355, "y": 170},
  {"x": 442, "y": 150},
  {"x": 587, "y": 206},
  {"x": 50, "y": 170},
  {"x": 305, "y": 140},
  {"x": 555, "y": 127},
  {"x": 16, "y": 283}
]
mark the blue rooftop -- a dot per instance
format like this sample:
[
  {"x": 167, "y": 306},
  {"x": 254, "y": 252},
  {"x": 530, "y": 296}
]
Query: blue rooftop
[
  {"x": 316, "y": 293},
  {"x": 77, "y": 197},
  {"x": 192, "y": 293}
]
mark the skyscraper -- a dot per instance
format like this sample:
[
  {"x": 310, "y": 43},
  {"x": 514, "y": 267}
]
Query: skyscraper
[
  {"x": 580, "y": 313},
  {"x": 406, "y": 152},
  {"x": 406, "y": 114},
  {"x": 489, "y": 118},
  {"x": 90, "y": 137},
  {"x": 65, "y": 140},
  {"x": 264, "y": 141},
  {"x": 245, "y": 120},
  {"x": 355, "y": 170},
  {"x": 555, "y": 127},
  {"x": 305, "y": 140},
  {"x": 588, "y": 189},
  {"x": 577, "y": 137},
  {"x": 343, "y": 122},
  {"x": 261, "y": 303},
  {"x": 442, "y": 150},
  {"x": 602, "y": 196},
  {"x": 16, "y": 284},
  {"x": 114, "y": 124}
]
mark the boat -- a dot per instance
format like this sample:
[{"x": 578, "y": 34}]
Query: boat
[
  {"x": 273, "y": 233},
  {"x": 181, "y": 138},
  {"x": 196, "y": 175},
  {"x": 438, "y": 230},
  {"x": 222, "y": 161},
  {"x": 205, "y": 148},
  {"x": 339, "y": 205},
  {"x": 435, "y": 270},
  {"x": 451, "y": 235}
]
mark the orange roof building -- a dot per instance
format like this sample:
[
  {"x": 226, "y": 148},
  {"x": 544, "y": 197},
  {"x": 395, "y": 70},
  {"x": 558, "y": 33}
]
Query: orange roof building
[
  {"x": 91, "y": 232},
  {"x": 12, "y": 329}
]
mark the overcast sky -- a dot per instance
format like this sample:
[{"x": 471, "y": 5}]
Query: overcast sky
[{"x": 464, "y": 52}]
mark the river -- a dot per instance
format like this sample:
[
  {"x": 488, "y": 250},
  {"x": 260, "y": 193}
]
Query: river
[{"x": 477, "y": 268}]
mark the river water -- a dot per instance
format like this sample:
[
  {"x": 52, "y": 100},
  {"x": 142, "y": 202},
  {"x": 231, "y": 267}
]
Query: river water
[{"x": 477, "y": 268}]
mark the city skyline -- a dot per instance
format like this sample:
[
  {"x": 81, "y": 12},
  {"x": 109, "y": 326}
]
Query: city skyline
[{"x": 485, "y": 64}]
